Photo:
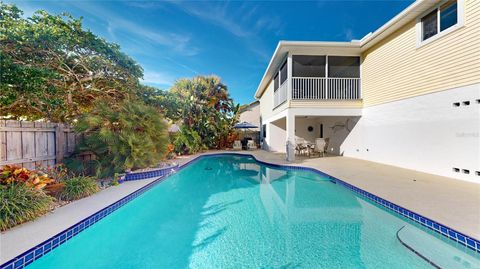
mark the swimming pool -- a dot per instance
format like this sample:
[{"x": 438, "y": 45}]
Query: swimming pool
[{"x": 233, "y": 212}]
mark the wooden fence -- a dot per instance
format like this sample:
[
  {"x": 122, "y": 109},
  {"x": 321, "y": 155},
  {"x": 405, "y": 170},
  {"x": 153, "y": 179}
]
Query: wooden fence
[{"x": 35, "y": 144}]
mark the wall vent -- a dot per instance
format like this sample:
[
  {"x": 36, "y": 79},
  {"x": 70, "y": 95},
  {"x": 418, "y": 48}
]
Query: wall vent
[
  {"x": 456, "y": 170},
  {"x": 477, "y": 173},
  {"x": 478, "y": 101},
  {"x": 466, "y": 103},
  {"x": 466, "y": 171},
  {"x": 456, "y": 104}
]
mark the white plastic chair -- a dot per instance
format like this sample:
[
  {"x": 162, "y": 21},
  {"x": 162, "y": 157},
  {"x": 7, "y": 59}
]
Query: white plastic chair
[
  {"x": 251, "y": 144},
  {"x": 320, "y": 144},
  {"x": 237, "y": 145}
]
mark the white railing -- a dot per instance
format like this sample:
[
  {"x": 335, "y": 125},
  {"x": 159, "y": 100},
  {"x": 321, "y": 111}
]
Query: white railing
[
  {"x": 312, "y": 88},
  {"x": 280, "y": 95}
]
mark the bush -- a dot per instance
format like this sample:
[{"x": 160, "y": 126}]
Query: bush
[
  {"x": 12, "y": 174},
  {"x": 128, "y": 135},
  {"x": 78, "y": 187},
  {"x": 187, "y": 141},
  {"x": 20, "y": 203},
  {"x": 58, "y": 172}
]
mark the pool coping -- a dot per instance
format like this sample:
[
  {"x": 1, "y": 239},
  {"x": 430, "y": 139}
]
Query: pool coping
[{"x": 32, "y": 254}]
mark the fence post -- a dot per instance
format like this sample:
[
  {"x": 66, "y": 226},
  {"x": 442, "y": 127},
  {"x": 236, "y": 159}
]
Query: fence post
[{"x": 59, "y": 143}]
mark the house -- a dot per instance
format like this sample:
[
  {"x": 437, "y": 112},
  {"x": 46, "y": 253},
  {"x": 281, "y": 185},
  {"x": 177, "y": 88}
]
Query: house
[
  {"x": 251, "y": 113},
  {"x": 406, "y": 95}
]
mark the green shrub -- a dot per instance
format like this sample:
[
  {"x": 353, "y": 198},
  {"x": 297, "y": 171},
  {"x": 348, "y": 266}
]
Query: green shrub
[
  {"x": 123, "y": 136},
  {"x": 20, "y": 203},
  {"x": 187, "y": 141},
  {"x": 78, "y": 187}
]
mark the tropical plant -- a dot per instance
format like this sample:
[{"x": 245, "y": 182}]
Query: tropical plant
[
  {"x": 203, "y": 107},
  {"x": 187, "y": 141},
  {"x": 20, "y": 203},
  {"x": 127, "y": 135},
  {"x": 54, "y": 69},
  {"x": 58, "y": 172},
  {"x": 13, "y": 174},
  {"x": 78, "y": 187}
]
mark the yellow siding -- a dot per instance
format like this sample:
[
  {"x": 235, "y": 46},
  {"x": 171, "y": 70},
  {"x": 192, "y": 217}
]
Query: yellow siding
[
  {"x": 396, "y": 69},
  {"x": 326, "y": 103}
]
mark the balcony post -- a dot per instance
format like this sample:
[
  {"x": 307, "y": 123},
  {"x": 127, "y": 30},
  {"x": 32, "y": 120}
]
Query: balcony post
[
  {"x": 326, "y": 76},
  {"x": 289, "y": 77},
  {"x": 290, "y": 143}
]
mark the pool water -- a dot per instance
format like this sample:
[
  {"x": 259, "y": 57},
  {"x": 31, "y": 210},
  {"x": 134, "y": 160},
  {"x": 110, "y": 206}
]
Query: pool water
[{"x": 232, "y": 212}]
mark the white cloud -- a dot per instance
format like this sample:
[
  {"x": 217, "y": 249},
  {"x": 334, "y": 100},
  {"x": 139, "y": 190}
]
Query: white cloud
[
  {"x": 215, "y": 14},
  {"x": 158, "y": 78},
  {"x": 241, "y": 21},
  {"x": 348, "y": 34},
  {"x": 179, "y": 43}
]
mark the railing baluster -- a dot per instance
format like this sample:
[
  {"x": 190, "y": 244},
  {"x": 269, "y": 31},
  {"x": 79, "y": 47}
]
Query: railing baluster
[{"x": 310, "y": 88}]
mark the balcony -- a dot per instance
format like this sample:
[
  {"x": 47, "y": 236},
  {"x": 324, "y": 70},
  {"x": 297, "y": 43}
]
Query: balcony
[
  {"x": 317, "y": 78},
  {"x": 311, "y": 88}
]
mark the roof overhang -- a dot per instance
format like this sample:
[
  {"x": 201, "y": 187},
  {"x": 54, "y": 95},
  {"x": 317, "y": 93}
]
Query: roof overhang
[{"x": 355, "y": 47}]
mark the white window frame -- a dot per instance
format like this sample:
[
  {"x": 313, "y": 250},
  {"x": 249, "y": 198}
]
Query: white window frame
[{"x": 460, "y": 23}]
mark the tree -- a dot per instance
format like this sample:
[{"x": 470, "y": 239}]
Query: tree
[
  {"x": 167, "y": 102},
  {"x": 54, "y": 69},
  {"x": 128, "y": 135},
  {"x": 204, "y": 106}
]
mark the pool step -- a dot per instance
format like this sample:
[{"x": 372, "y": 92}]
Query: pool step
[{"x": 439, "y": 253}]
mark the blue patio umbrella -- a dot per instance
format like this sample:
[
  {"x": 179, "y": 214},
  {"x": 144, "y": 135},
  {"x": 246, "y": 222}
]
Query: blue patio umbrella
[{"x": 244, "y": 125}]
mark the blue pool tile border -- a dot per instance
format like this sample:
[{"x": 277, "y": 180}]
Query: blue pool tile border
[
  {"x": 160, "y": 172},
  {"x": 46, "y": 246}
]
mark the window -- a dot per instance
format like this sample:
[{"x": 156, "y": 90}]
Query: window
[
  {"x": 343, "y": 67},
  {"x": 275, "y": 82},
  {"x": 280, "y": 76},
  {"x": 429, "y": 25},
  {"x": 448, "y": 15},
  {"x": 283, "y": 73},
  {"x": 308, "y": 66},
  {"x": 264, "y": 128},
  {"x": 440, "y": 19}
]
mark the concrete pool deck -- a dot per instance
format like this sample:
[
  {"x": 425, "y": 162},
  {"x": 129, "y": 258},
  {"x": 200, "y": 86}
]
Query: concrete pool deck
[{"x": 452, "y": 202}]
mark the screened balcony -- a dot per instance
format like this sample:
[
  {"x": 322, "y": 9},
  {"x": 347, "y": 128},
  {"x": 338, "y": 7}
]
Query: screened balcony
[
  {"x": 318, "y": 78},
  {"x": 325, "y": 77}
]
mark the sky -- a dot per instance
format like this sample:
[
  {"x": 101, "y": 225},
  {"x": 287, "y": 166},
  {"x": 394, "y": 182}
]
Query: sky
[{"x": 234, "y": 40}]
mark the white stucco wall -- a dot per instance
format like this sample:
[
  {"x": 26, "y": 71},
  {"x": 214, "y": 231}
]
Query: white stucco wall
[
  {"x": 335, "y": 128},
  {"x": 266, "y": 102},
  {"x": 301, "y": 128},
  {"x": 251, "y": 114},
  {"x": 426, "y": 133},
  {"x": 276, "y": 136}
]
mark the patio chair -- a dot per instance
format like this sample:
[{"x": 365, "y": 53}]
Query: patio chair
[
  {"x": 237, "y": 145},
  {"x": 251, "y": 144},
  {"x": 320, "y": 145},
  {"x": 300, "y": 146}
]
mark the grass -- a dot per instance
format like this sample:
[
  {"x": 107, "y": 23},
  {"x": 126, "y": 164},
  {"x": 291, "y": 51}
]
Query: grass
[
  {"x": 20, "y": 203},
  {"x": 79, "y": 187}
]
